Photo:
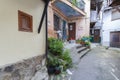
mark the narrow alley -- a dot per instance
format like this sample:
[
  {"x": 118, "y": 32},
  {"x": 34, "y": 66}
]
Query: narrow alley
[{"x": 99, "y": 64}]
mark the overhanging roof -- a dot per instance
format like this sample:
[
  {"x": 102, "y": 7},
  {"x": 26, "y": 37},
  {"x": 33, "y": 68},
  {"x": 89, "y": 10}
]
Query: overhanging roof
[
  {"x": 67, "y": 9},
  {"x": 115, "y": 3}
]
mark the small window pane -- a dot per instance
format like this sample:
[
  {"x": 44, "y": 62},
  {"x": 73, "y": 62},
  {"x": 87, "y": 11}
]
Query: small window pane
[{"x": 25, "y": 22}]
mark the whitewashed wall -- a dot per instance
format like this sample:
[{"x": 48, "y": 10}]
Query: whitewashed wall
[
  {"x": 16, "y": 45},
  {"x": 108, "y": 26},
  {"x": 93, "y": 16}
]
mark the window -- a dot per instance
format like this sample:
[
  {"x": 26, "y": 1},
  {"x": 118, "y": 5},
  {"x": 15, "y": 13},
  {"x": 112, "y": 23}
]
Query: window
[
  {"x": 56, "y": 23},
  {"x": 25, "y": 22}
]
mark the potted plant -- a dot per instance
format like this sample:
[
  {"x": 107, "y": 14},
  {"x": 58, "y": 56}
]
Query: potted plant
[
  {"x": 87, "y": 44},
  {"x": 53, "y": 64},
  {"x": 57, "y": 59},
  {"x": 85, "y": 41},
  {"x": 50, "y": 64},
  {"x": 55, "y": 46},
  {"x": 78, "y": 41},
  {"x": 67, "y": 60}
]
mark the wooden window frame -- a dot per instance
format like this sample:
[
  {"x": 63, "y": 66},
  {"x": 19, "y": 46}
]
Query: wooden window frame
[
  {"x": 28, "y": 18},
  {"x": 56, "y": 22}
]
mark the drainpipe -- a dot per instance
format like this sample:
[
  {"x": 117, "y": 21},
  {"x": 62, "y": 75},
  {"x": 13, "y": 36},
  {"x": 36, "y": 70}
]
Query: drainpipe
[
  {"x": 46, "y": 22},
  {"x": 44, "y": 15},
  {"x": 102, "y": 12}
]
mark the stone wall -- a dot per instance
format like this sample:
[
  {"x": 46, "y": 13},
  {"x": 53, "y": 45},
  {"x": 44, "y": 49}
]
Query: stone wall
[{"x": 29, "y": 69}]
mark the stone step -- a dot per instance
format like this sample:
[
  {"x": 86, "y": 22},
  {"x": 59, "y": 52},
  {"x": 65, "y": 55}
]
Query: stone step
[
  {"x": 83, "y": 53},
  {"x": 79, "y": 46},
  {"x": 81, "y": 49},
  {"x": 75, "y": 58}
]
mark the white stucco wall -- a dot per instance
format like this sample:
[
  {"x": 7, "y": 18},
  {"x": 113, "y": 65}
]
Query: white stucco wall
[
  {"x": 87, "y": 18},
  {"x": 83, "y": 24},
  {"x": 93, "y": 16},
  {"x": 109, "y": 26},
  {"x": 80, "y": 28},
  {"x": 17, "y": 45}
]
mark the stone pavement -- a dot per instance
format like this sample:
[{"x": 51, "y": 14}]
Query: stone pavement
[{"x": 99, "y": 64}]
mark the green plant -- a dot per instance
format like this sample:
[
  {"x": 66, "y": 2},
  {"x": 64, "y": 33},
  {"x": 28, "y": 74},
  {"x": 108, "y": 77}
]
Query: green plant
[
  {"x": 55, "y": 46},
  {"x": 85, "y": 41},
  {"x": 78, "y": 41},
  {"x": 53, "y": 64},
  {"x": 74, "y": 2},
  {"x": 86, "y": 38},
  {"x": 87, "y": 44},
  {"x": 57, "y": 56},
  {"x": 53, "y": 61},
  {"x": 67, "y": 60}
]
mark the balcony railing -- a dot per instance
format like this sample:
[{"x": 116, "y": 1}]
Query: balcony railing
[{"x": 80, "y": 4}]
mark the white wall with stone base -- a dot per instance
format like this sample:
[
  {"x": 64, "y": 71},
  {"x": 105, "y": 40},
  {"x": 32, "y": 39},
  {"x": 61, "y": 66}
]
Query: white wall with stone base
[{"x": 28, "y": 69}]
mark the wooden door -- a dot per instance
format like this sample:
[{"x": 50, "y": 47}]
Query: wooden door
[
  {"x": 115, "y": 39},
  {"x": 97, "y": 35},
  {"x": 72, "y": 31}
]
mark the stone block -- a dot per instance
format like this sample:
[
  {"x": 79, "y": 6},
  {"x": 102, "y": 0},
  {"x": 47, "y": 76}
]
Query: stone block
[{"x": 29, "y": 69}]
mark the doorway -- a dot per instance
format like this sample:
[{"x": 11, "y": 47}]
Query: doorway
[
  {"x": 115, "y": 39},
  {"x": 72, "y": 31},
  {"x": 97, "y": 35}
]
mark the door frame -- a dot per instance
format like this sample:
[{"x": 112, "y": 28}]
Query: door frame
[
  {"x": 97, "y": 36},
  {"x": 74, "y": 25},
  {"x": 112, "y": 43}
]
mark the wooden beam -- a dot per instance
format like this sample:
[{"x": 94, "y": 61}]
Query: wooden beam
[{"x": 58, "y": 11}]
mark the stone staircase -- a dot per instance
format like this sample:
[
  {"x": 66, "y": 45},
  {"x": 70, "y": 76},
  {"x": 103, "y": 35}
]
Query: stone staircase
[
  {"x": 77, "y": 52},
  {"x": 82, "y": 51}
]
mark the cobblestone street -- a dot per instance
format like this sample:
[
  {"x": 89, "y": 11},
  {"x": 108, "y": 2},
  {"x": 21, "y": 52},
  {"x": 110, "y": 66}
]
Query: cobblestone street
[{"x": 99, "y": 64}]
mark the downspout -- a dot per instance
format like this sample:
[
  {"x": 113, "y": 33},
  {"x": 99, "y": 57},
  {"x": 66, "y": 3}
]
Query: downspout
[
  {"x": 46, "y": 49},
  {"x": 44, "y": 15}
]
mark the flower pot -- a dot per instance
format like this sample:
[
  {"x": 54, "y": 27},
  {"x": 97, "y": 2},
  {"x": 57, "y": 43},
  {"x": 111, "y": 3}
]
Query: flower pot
[
  {"x": 51, "y": 69},
  {"x": 82, "y": 43},
  {"x": 57, "y": 70}
]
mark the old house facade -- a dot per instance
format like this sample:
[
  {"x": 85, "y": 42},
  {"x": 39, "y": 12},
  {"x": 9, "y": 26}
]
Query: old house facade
[
  {"x": 105, "y": 23},
  {"x": 72, "y": 21},
  {"x": 22, "y": 49},
  {"x": 95, "y": 20},
  {"x": 111, "y": 23}
]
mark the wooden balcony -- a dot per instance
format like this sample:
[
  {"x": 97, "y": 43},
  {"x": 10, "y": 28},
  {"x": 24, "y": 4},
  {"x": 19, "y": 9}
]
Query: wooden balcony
[
  {"x": 80, "y": 4},
  {"x": 67, "y": 10}
]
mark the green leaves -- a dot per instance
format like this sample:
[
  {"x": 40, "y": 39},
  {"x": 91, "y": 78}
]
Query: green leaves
[
  {"x": 74, "y": 2},
  {"x": 67, "y": 58},
  {"x": 55, "y": 46},
  {"x": 57, "y": 56}
]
